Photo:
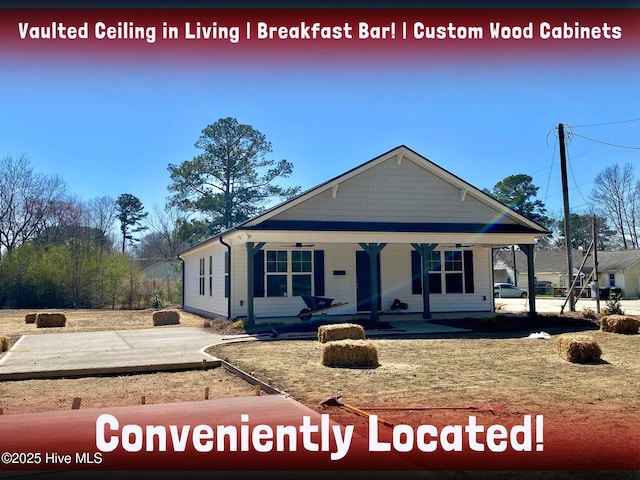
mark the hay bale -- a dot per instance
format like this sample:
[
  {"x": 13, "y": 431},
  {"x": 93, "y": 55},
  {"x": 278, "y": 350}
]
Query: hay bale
[
  {"x": 578, "y": 348},
  {"x": 50, "y": 320},
  {"x": 350, "y": 354},
  {"x": 166, "y": 317},
  {"x": 30, "y": 317},
  {"x": 4, "y": 344},
  {"x": 619, "y": 324},
  {"x": 340, "y": 331}
]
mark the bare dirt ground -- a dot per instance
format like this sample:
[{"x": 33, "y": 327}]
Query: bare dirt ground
[
  {"x": 444, "y": 379},
  {"x": 514, "y": 376}
]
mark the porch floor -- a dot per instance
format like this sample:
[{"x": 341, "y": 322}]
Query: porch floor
[
  {"x": 383, "y": 317},
  {"x": 398, "y": 324}
]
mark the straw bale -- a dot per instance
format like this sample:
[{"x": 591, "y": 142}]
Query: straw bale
[
  {"x": 350, "y": 353},
  {"x": 50, "y": 320},
  {"x": 578, "y": 348},
  {"x": 30, "y": 317},
  {"x": 619, "y": 324},
  {"x": 166, "y": 317},
  {"x": 4, "y": 344},
  {"x": 340, "y": 331}
]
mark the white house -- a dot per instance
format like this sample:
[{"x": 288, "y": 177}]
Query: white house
[{"x": 395, "y": 227}]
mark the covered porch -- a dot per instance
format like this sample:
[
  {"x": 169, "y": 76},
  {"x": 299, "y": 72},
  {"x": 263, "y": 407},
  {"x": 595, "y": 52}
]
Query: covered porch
[{"x": 430, "y": 273}]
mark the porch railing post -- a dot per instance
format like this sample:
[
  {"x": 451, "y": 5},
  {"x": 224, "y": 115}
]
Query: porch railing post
[
  {"x": 251, "y": 253},
  {"x": 425, "y": 249},
  {"x": 373, "y": 250},
  {"x": 531, "y": 276}
]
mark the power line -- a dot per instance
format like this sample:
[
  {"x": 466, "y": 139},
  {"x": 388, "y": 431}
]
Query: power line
[
  {"x": 604, "y": 143},
  {"x": 574, "y": 180},
  {"x": 546, "y": 193},
  {"x": 608, "y": 123}
]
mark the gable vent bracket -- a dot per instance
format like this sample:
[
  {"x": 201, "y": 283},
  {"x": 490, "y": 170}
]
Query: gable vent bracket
[
  {"x": 463, "y": 194},
  {"x": 334, "y": 190}
]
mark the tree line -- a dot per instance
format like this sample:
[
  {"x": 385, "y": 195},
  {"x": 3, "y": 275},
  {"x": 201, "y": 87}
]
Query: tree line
[{"x": 59, "y": 251}]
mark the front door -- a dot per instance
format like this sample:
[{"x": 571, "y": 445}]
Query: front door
[{"x": 363, "y": 282}]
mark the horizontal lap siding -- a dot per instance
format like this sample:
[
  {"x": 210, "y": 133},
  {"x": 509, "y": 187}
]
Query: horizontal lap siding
[
  {"x": 215, "y": 304},
  {"x": 340, "y": 288},
  {"x": 395, "y": 283},
  {"x": 393, "y": 193}
]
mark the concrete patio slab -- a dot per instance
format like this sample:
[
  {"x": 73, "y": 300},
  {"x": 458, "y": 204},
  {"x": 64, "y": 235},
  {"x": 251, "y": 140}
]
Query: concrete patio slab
[{"x": 118, "y": 351}]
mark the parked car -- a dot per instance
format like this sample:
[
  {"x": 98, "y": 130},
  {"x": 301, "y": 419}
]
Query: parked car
[{"x": 507, "y": 290}]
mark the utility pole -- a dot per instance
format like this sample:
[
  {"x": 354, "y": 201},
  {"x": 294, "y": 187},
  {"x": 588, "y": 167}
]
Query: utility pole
[
  {"x": 567, "y": 229},
  {"x": 595, "y": 263}
]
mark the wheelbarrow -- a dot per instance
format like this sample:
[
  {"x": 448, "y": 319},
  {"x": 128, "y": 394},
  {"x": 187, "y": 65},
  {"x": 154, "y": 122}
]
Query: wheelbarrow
[{"x": 317, "y": 306}]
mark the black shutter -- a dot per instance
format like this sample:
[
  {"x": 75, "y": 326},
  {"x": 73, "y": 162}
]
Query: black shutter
[
  {"x": 468, "y": 272},
  {"x": 318, "y": 272},
  {"x": 416, "y": 273},
  {"x": 258, "y": 274}
]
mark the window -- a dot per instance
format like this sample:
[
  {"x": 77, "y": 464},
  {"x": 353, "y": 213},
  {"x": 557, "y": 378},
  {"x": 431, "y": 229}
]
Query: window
[
  {"x": 202, "y": 276},
  {"x": 227, "y": 285},
  {"x": 210, "y": 276},
  {"x": 301, "y": 276},
  {"x": 450, "y": 271},
  {"x": 612, "y": 279},
  {"x": 453, "y": 271},
  {"x": 276, "y": 273},
  {"x": 288, "y": 273}
]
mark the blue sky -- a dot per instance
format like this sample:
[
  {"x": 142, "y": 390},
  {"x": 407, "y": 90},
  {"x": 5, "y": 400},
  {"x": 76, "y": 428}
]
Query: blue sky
[{"x": 111, "y": 128}]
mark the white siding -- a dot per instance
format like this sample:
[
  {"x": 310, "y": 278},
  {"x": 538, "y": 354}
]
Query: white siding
[
  {"x": 395, "y": 275},
  {"x": 215, "y": 304},
  {"x": 394, "y": 193}
]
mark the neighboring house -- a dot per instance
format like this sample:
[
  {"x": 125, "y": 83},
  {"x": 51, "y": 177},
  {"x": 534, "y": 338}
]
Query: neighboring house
[
  {"x": 165, "y": 279},
  {"x": 395, "y": 227},
  {"x": 169, "y": 269},
  {"x": 619, "y": 269}
]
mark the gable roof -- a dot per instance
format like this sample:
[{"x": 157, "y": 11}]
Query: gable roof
[
  {"x": 308, "y": 210},
  {"x": 319, "y": 208}
]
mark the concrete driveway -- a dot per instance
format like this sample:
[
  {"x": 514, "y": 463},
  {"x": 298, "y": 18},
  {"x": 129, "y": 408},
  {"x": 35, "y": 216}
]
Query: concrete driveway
[{"x": 119, "y": 351}]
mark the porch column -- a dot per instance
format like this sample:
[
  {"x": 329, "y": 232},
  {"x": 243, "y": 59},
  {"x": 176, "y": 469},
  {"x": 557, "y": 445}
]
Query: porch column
[
  {"x": 425, "y": 249},
  {"x": 251, "y": 252},
  {"x": 528, "y": 251},
  {"x": 373, "y": 249}
]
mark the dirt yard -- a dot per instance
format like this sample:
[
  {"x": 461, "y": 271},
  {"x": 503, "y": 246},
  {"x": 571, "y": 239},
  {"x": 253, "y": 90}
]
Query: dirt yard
[{"x": 495, "y": 375}]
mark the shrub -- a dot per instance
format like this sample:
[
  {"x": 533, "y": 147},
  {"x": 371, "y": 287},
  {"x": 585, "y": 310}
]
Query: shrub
[
  {"x": 238, "y": 325},
  {"x": 613, "y": 304},
  {"x": 156, "y": 301}
]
